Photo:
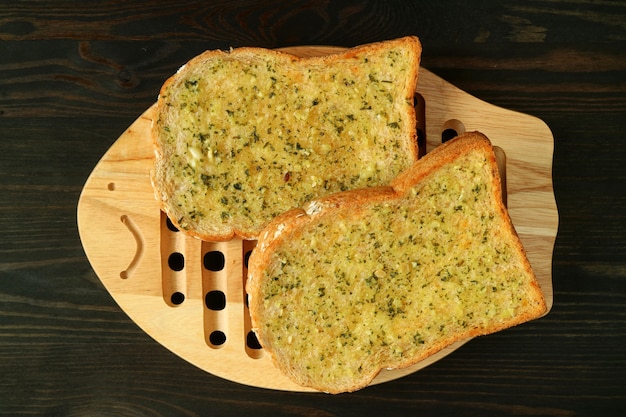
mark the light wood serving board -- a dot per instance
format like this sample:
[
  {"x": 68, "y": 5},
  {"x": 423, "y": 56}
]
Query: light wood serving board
[{"x": 189, "y": 295}]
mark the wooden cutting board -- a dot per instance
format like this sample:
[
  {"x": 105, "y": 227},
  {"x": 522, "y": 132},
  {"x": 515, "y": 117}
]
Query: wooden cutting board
[{"x": 189, "y": 295}]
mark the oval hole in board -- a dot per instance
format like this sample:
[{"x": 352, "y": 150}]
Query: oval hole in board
[
  {"x": 214, "y": 261},
  {"x": 215, "y": 300},
  {"x": 252, "y": 342},
  {"x": 170, "y": 225},
  {"x": 451, "y": 129},
  {"x": 177, "y": 298},
  {"x": 176, "y": 261},
  {"x": 217, "y": 338}
]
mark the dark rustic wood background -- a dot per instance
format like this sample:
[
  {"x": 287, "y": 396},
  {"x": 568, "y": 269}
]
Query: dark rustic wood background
[{"x": 74, "y": 75}]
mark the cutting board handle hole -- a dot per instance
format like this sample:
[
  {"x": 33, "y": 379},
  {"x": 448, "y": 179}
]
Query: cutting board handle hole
[
  {"x": 176, "y": 261},
  {"x": 252, "y": 342},
  {"x": 177, "y": 298},
  {"x": 451, "y": 129},
  {"x": 217, "y": 338},
  {"x": 215, "y": 300},
  {"x": 214, "y": 260},
  {"x": 111, "y": 186},
  {"x": 170, "y": 225}
]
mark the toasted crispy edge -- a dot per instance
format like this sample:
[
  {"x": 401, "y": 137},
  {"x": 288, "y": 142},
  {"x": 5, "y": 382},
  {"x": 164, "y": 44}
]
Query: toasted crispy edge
[
  {"x": 282, "y": 226},
  {"x": 232, "y": 231}
]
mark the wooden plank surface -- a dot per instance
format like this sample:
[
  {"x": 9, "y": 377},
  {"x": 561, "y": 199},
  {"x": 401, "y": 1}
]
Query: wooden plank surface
[
  {"x": 127, "y": 240},
  {"x": 73, "y": 77}
]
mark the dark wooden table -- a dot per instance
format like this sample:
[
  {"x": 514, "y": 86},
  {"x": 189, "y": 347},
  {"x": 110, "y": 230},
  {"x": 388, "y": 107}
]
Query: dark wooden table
[{"x": 74, "y": 75}]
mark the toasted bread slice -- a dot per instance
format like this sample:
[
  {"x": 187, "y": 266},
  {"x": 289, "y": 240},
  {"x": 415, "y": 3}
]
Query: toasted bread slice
[
  {"x": 379, "y": 278},
  {"x": 243, "y": 136}
]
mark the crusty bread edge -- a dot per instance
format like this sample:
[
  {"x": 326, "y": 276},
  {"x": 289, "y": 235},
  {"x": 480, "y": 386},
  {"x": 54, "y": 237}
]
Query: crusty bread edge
[
  {"x": 283, "y": 225},
  {"x": 410, "y": 87}
]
